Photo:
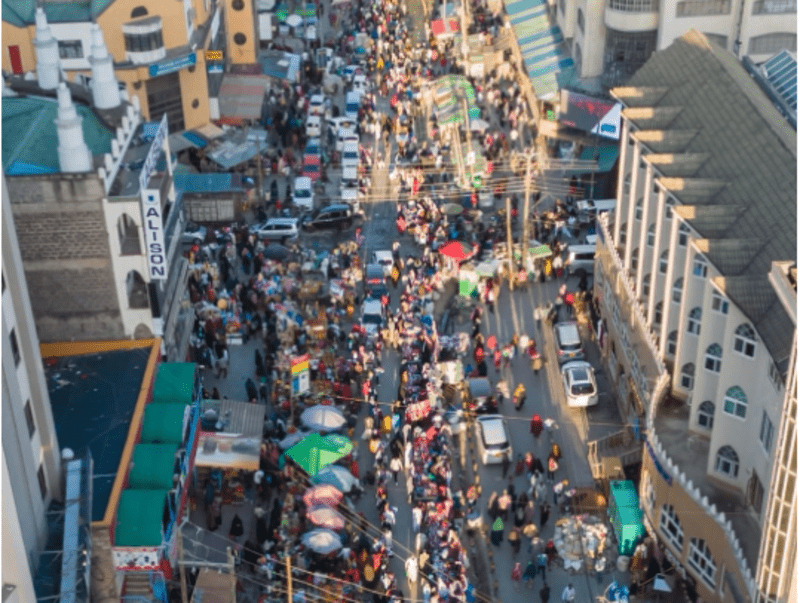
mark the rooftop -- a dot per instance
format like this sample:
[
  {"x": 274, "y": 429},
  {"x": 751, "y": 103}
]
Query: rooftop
[{"x": 22, "y": 12}]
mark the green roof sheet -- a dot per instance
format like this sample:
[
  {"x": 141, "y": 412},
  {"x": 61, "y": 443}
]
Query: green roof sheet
[
  {"x": 21, "y": 12},
  {"x": 174, "y": 383},
  {"x": 163, "y": 424},
  {"x": 139, "y": 518},
  {"x": 30, "y": 143},
  {"x": 152, "y": 466}
]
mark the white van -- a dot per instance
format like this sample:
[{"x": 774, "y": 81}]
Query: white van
[
  {"x": 352, "y": 103},
  {"x": 493, "y": 441},
  {"x": 350, "y": 154},
  {"x": 580, "y": 257},
  {"x": 588, "y": 209},
  {"x": 303, "y": 195},
  {"x": 344, "y": 135},
  {"x": 350, "y": 196}
]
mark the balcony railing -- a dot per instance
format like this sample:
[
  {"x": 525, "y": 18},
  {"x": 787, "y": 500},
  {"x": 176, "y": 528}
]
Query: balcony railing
[
  {"x": 634, "y": 6},
  {"x": 702, "y": 8}
]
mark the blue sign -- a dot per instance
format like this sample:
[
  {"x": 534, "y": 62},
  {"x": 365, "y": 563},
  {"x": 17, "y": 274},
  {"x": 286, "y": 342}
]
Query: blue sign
[
  {"x": 172, "y": 65},
  {"x": 659, "y": 467}
]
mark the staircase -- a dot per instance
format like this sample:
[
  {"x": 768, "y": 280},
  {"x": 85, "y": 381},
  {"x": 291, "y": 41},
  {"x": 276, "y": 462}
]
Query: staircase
[
  {"x": 137, "y": 587},
  {"x": 621, "y": 444}
]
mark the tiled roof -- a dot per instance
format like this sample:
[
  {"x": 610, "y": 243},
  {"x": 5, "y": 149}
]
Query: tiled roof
[
  {"x": 640, "y": 97},
  {"x": 22, "y": 12},
  {"x": 730, "y": 256},
  {"x": 652, "y": 117},
  {"x": 752, "y": 154},
  {"x": 677, "y": 164},
  {"x": 666, "y": 141},
  {"x": 711, "y": 220}
]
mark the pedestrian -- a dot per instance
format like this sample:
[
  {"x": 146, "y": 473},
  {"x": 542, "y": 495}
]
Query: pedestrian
[
  {"x": 411, "y": 570},
  {"x": 551, "y": 552},
  {"x": 544, "y": 514},
  {"x": 545, "y": 593},
  {"x": 568, "y": 594},
  {"x": 497, "y": 532},
  {"x": 530, "y": 573},
  {"x": 515, "y": 539},
  {"x": 506, "y": 464},
  {"x": 516, "y": 574},
  {"x": 552, "y": 466},
  {"x": 541, "y": 565},
  {"x": 395, "y": 465},
  {"x": 237, "y": 528}
]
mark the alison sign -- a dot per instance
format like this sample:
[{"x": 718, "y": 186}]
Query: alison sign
[{"x": 152, "y": 209}]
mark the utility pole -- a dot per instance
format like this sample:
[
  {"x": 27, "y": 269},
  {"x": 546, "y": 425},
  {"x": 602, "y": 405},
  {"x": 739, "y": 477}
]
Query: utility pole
[
  {"x": 260, "y": 173},
  {"x": 288, "y": 575},
  {"x": 526, "y": 208},
  {"x": 232, "y": 569},
  {"x": 182, "y": 568},
  {"x": 510, "y": 245},
  {"x": 469, "y": 141}
]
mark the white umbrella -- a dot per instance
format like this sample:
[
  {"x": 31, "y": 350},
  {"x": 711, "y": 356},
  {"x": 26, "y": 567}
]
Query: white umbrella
[
  {"x": 323, "y": 418},
  {"x": 478, "y": 124},
  {"x": 322, "y": 541},
  {"x": 294, "y": 20},
  {"x": 338, "y": 477}
]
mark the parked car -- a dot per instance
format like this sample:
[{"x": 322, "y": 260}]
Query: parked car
[
  {"x": 350, "y": 153},
  {"x": 479, "y": 396},
  {"x": 384, "y": 258},
  {"x": 372, "y": 316},
  {"x": 494, "y": 441},
  {"x": 344, "y": 135},
  {"x": 312, "y": 167},
  {"x": 194, "y": 234},
  {"x": 374, "y": 281},
  {"x": 313, "y": 126},
  {"x": 360, "y": 84},
  {"x": 352, "y": 103},
  {"x": 276, "y": 229},
  {"x": 316, "y": 105},
  {"x": 580, "y": 386},
  {"x": 568, "y": 342},
  {"x": 303, "y": 195},
  {"x": 333, "y": 216},
  {"x": 314, "y": 147}
]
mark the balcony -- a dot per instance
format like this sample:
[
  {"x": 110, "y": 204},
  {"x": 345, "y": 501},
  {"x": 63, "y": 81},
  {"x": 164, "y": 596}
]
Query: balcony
[{"x": 631, "y": 15}]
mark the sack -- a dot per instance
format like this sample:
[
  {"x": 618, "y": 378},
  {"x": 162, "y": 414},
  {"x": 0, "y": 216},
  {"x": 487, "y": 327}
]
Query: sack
[{"x": 552, "y": 465}]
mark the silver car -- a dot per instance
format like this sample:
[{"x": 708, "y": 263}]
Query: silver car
[{"x": 580, "y": 386}]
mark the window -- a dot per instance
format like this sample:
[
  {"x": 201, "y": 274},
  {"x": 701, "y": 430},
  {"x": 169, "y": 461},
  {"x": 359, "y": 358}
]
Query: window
[
  {"x": 29, "y": 419},
  {"x": 767, "y": 432},
  {"x": 651, "y": 235},
  {"x": 657, "y": 317},
  {"x": 562, "y": 6},
  {"x": 699, "y": 266},
  {"x": 639, "y": 209},
  {"x": 635, "y": 260},
  {"x": 687, "y": 376},
  {"x": 627, "y": 184},
  {"x": 705, "y": 415},
  {"x": 70, "y": 49},
  {"x": 668, "y": 208},
  {"x": 128, "y": 234},
  {"x": 663, "y": 261},
  {"x": 755, "y": 492},
  {"x": 139, "y": 11},
  {"x": 683, "y": 234},
  {"x": 735, "y": 402},
  {"x": 137, "y": 291},
  {"x": 240, "y": 39},
  {"x": 718, "y": 302},
  {"x": 717, "y": 39},
  {"x": 727, "y": 462},
  {"x": 744, "y": 341},
  {"x": 774, "y": 7},
  {"x": 772, "y": 43},
  {"x": 646, "y": 287},
  {"x": 775, "y": 376},
  {"x": 12, "y": 338},
  {"x": 672, "y": 343},
  {"x": 580, "y": 20},
  {"x": 625, "y": 52},
  {"x": 670, "y": 526},
  {"x": 42, "y": 482},
  {"x": 144, "y": 42},
  {"x": 713, "y": 360},
  {"x": 699, "y": 8},
  {"x": 655, "y": 188},
  {"x": 701, "y": 561},
  {"x": 677, "y": 291},
  {"x": 693, "y": 325},
  {"x": 623, "y": 234},
  {"x": 634, "y": 6},
  {"x": 237, "y": 4}
]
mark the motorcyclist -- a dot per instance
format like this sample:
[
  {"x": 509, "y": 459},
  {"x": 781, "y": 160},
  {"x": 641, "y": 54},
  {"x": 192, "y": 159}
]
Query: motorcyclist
[{"x": 519, "y": 396}]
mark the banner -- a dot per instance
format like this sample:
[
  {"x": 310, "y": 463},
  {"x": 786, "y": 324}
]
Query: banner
[{"x": 590, "y": 114}]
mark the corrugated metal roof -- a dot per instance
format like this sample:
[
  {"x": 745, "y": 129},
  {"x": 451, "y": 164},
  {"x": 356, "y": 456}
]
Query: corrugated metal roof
[
  {"x": 22, "y": 12},
  {"x": 208, "y": 183}
]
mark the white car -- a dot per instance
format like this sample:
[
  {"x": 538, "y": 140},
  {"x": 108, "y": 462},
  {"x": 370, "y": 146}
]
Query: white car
[
  {"x": 344, "y": 135},
  {"x": 316, "y": 105},
  {"x": 360, "y": 84},
  {"x": 494, "y": 441},
  {"x": 314, "y": 126},
  {"x": 384, "y": 258},
  {"x": 580, "y": 386},
  {"x": 350, "y": 154},
  {"x": 276, "y": 229},
  {"x": 194, "y": 234},
  {"x": 372, "y": 316},
  {"x": 303, "y": 194}
]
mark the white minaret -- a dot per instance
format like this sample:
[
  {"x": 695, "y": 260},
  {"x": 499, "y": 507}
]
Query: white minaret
[
  {"x": 105, "y": 90},
  {"x": 73, "y": 154},
  {"x": 48, "y": 64}
]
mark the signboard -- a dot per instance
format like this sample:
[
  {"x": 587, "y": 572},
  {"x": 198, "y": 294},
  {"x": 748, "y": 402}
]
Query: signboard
[
  {"x": 154, "y": 235},
  {"x": 172, "y": 65},
  {"x": 301, "y": 382},
  {"x": 135, "y": 558},
  {"x": 213, "y": 55},
  {"x": 590, "y": 114},
  {"x": 657, "y": 464},
  {"x": 152, "y": 155}
]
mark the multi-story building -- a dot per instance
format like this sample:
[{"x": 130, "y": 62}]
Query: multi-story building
[
  {"x": 696, "y": 339},
  {"x": 31, "y": 465},
  {"x": 611, "y": 39},
  {"x": 95, "y": 210},
  {"x": 158, "y": 48}
]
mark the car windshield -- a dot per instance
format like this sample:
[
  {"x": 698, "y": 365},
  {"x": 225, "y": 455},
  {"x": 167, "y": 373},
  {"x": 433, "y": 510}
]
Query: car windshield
[
  {"x": 310, "y": 169},
  {"x": 582, "y": 389},
  {"x": 371, "y": 319},
  {"x": 302, "y": 193}
]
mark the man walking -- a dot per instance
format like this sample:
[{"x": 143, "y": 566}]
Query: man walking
[
  {"x": 545, "y": 593},
  {"x": 568, "y": 595}
]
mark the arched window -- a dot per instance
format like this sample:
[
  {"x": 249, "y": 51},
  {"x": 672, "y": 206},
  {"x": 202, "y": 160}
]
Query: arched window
[
  {"x": 773, "y": 42},
  {"x": 718, "y": 302},
  {"x": 658, "y": 314},
  {"x": 677, "y": 290},
  {"x": 735, "y": 402},
  {"x": 693, "y": 325},
  {"x": 683, "y": 234},
  {"x": 646, "y": 287},
  {"x": 651, "y": 235},
  {"x": 623, "y": 234},
  {"x": 699, "y": 266},
  {"x": 578, "y": 56},
  {"x": 687, "y": 376},
  {"x": 672, "y": 343},
  {"x": 580, "y": 20},
  {"x": 128, "y": 236},
  {"x": 705, "y": 415},
  {"x": 727, "y": 462},
  {"x": 668, "y": 203},
  {"x": 670, "y": 526},
  {"x": 744, "y": 340},
  {"x": 139, "y": 11},
  {"x": 637, "y": 213},
  {"x": 713, "y": 359},
  {"x": 137, "y": 290},
  {"x": 701, "y": 561},
  {"x": 627, "y": 184},
  {"x": 663, "y": 261},
  {"x": 635, "y": 260}
]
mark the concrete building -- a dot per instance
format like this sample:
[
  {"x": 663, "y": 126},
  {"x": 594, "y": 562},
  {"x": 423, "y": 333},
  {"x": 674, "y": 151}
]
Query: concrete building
[
  {"x": 696, "y": 339},
  {"x": 611, "y": 39},
  {"x": 156, "y": 50},
  {"x": 31, "y": 465},
  {"x": 88, "y": 189}
]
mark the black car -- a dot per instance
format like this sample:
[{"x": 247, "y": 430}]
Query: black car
[{"x": 333, "y": 216}]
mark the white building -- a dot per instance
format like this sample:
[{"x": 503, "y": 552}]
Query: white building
[
  {"x": 611, "y": 39},
  {"x": 698, "y": 340}
]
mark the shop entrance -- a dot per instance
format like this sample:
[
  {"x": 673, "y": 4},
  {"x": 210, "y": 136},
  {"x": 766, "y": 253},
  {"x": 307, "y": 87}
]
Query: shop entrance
[{"x": 164, "y": 96}]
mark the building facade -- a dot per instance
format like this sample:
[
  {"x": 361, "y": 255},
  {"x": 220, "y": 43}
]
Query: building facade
[
  {"x": 696, "y": 338},
  {"x": 31, "y": 464},
  {"x": 611, "y": 39},
  {"x": 158, "y": 48}
]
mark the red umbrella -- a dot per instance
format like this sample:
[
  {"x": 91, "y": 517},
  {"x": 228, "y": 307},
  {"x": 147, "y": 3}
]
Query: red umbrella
[
  {"x": 325, "y": 517},
  {"x": 458, "y": 250},
  {"x": 491, "y": 342},
  {"x": 323, "y": 494}
]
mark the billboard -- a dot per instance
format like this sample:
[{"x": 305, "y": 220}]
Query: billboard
[{"x": 590, "y": 114}]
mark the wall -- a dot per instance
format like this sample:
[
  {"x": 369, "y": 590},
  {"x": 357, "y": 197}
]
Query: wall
[
  {"x": 118, "y": 13},
  {"x": 592, "y": 40},
  {"x": 236, "y": 22},
  {"x": 16, "y": 571},
  {"x": 22, "y": 37}
]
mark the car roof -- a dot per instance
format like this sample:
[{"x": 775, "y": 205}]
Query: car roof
[
  {"x": 383, "y": 254},
  {"x": 480, "y": 387},
  {"x": 565, "y": 329},
  {"x": 302, "y": 182},
  {"x": 317, "y": 98},
  {"x": 370, "y": 305},
  {"x": 334, "y": 207},
  {"x": 494, "y": 429},
  {"x": 310, "y": 159},
  {"x": 281, "y": 221},
  {"x": 314, "y": 118}
]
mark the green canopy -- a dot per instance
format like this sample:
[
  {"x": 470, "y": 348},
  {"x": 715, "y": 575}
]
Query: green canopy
[
  {"x": 139, "y": 518},
  {"x": 626, "y": 516},
  {"x": 606, "y": 156},
  {"x": 314, "y": 452},
  {"x": 163, "y": 423},
  {"x": 175, "y": 383},
  {"x": 152, "y": 466}
]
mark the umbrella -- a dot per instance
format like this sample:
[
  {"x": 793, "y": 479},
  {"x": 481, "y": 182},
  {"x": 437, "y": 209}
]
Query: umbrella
[
  {"x": 276, "y": 251},
  {"x": 323, "y": 418},
  {"x": 282, "y": 11},
  {"x": 540, "y": 251},
  {"x": 324, "y": 494},
  {"x": 294, "y": 20},
  {"x": 478, "y": 124},
  {"x": 292, "y": 439},
  {"x": 452, "y": 209},
  {"x": 315, "y": 452},
  {"x": 336, "y": 476},
  {"x": 322, "y": 541},
  {"x": 491, "y": 342},
  {"x": 325, "y": 517},
  {"x": 458, "y": 250}
]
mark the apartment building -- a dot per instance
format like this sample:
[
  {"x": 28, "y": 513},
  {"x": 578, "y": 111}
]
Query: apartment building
[
  {"x": 697, "y": 340},
  {"x": 611, "y": 39}
]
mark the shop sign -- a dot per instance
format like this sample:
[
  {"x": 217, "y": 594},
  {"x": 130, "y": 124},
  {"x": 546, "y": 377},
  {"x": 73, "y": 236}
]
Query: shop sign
[
  {"x": 153, "y": 153},
  {"x": 301, "y": 382},
  {"x": 154, "y": 235},
  {"x": 657, "y": 464},
  {"x": 172, "y": 65},
  {"x": 136, "y": 558}
]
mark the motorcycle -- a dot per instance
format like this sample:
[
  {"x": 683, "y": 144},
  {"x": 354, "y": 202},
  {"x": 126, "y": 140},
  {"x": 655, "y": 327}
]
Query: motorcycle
[{"x": 519, "y": 397}]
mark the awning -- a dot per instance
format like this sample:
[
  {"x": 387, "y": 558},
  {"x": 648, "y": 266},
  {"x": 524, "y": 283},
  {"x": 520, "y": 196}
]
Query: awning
[
  {"x": 152, "y": 466},
  {"x": 440, "y": 27},
  {"x": 163, "y": 423},
  {"x": 174, "y": 383},
  {"x": 280, "y": 65},
  {"x": 228, "y": 451},
  {"x": 213, "y": 586},
  {"x": 606, "y": 156},
  {"x": 242, "y": 95},
  {"x": 230, "y": 153},
  {"x": 241, "y": 418},
  {"x": 139, "y": 518}
]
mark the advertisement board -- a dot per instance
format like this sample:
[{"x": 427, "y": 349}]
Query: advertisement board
[{"x": 590, "y": 114}]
